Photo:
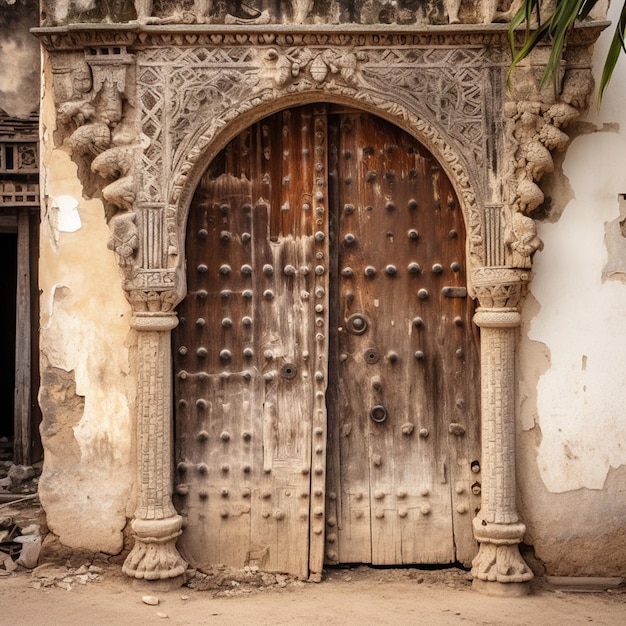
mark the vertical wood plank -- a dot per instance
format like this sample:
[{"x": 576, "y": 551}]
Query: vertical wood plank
[{"x": 22, "y": 413}]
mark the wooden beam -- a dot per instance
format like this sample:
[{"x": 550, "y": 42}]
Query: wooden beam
[{"x": 22, "y": 433}]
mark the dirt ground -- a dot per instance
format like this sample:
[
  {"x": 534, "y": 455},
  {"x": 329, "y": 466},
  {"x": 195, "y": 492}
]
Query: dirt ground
[
  {"x": 72, "y": 589},
  {"x": 358, "y": 595}
]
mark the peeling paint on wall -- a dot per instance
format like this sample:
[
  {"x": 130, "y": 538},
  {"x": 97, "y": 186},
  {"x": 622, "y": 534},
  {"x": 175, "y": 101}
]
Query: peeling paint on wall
[
  {"x": 88, "y": 382},
  {"x": 615, "y": 241},
  {"x": 585, "y": 536},
  {"x": 580, "y": 397}
]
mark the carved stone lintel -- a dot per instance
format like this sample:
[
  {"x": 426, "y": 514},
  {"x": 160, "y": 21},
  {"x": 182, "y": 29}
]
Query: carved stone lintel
[{"x": 156, "y": 524}]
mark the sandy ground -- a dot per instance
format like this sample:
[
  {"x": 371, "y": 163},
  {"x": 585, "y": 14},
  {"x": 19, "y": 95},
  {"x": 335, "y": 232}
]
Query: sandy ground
[
  {"x": 359, "y": 595},
  {"x": 70, "y": 589}
]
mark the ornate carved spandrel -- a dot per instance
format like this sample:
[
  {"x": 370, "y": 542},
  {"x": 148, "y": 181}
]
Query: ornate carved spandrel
[{"x": 187, "y": 97}]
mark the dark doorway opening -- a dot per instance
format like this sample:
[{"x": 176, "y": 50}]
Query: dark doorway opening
[{"x": 8, "y": 283}]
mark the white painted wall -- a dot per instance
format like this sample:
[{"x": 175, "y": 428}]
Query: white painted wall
[{"x": 573, "y": 341}]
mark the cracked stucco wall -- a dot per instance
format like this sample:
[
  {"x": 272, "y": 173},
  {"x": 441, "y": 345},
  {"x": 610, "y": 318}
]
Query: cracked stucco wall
[
  {"x": 572, "y": 358},
  {"x": 87, "y": 386}
]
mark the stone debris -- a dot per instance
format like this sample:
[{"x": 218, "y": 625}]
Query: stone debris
[
  {"x": 19, "y": 474},
  {"x": 19, "y": 545},
  {"x": 230, "y": 582},
  {"x": 151, "y": 600},
  {"x": 20, "y": 536},
  {"x": 29, "y": 554},
  {"x": 18, "y": 478},
  {"x": 64, "y": 577}
]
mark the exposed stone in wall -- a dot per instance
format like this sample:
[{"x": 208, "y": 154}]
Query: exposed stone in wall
[
  {"x": 615, "y": 241},
  {"x": 63, "y": 408},
  {"x": 19, "y": 58}
]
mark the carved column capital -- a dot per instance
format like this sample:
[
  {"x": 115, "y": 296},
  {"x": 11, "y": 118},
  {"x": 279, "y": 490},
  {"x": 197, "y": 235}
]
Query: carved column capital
[
  {"x": 498, "y": 289},
  {"x": 150, "y": 304}
]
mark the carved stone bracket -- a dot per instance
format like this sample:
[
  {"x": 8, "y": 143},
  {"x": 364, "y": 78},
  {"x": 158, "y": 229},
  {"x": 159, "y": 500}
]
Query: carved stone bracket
[{"x": 533, "y": 123}]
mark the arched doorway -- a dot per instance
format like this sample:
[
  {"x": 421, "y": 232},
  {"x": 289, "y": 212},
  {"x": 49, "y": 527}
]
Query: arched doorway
[{"x": 326, "y": 367}]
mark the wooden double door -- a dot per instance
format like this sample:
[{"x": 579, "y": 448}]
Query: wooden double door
[{"x": 326, "y": 366}]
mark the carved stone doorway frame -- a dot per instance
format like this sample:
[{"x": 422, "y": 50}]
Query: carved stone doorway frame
[{"x": 176, "y": 95}]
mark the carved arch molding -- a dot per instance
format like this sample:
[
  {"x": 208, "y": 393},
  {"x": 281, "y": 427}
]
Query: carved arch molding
[{"x": 143, "y": 109}]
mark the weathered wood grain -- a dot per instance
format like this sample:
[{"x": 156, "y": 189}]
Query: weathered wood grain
[{"x": 326, "y": 382}]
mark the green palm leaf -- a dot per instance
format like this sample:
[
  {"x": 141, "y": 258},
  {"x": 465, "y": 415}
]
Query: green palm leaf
[
  {"x": 615, "y": 50},
  {"x": 553, "y": 30}
]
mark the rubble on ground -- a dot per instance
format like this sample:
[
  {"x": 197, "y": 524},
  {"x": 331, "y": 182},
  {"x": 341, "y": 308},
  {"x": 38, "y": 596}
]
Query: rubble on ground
[
  {"x": 65, "y": 577},
  {"x": 20, "y": 534},
  {"x": 229, "y": 582}
]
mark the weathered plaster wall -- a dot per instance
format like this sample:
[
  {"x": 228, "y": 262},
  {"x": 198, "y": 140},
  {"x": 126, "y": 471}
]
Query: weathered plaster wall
[
  {"x": 572, "y": 423},
  {"x": 87, "y": 389},
  {"x": 19, "y": 58}
]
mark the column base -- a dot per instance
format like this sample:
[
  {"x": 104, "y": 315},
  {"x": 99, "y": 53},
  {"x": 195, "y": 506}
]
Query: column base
[
  {"x": 503, "y": 590},
  {"x": 154, "y": 555}
]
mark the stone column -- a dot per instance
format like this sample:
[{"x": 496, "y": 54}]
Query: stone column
[
  {"x": 156, "y": 524},
  {"x": 498, "y": 568}
]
